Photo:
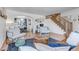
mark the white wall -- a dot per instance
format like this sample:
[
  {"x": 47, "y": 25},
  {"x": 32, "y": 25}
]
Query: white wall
[
  {"x": 73, "y": 14},
  {"x": 52, "y": 26},
  {"x": 2, "y": 31}
]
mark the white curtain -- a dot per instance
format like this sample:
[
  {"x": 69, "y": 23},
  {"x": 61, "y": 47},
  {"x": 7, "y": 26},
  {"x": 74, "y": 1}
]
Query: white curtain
[{"x": 2, "y": 31}]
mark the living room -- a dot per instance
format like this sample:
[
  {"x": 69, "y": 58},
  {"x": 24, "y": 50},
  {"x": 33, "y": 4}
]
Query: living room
[{"x": 33, "y": 26}]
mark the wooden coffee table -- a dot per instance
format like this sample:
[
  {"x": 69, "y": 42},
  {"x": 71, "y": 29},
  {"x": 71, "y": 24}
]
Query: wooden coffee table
[{"x": 41, "y": 40}]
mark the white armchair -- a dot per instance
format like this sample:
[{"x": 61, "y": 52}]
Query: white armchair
[
  {"x": 14, "y": 32},
  {"x": 44, "y": 30}
]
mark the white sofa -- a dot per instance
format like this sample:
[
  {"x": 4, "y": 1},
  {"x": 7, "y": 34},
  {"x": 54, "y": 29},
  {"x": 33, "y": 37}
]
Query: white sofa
[
  {"x": 72, "y": 40},
  {"x": 43, "y": 47}
]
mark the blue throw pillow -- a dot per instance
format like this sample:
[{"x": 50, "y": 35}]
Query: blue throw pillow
[
  {"x": 52, "y": 40},
  {"x": 57, "y": 44}
]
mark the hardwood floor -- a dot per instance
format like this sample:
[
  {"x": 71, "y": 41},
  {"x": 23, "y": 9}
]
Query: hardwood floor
[{"x": 4, "y": 46}]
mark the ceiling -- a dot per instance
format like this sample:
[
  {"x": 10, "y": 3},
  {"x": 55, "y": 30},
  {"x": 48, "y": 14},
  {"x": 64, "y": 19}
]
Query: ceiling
[{"x": 41, "y": 10}]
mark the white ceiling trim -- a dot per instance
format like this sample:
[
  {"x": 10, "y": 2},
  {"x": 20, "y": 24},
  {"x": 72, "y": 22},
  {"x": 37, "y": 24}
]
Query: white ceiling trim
[{"x": 41, "y": 10}]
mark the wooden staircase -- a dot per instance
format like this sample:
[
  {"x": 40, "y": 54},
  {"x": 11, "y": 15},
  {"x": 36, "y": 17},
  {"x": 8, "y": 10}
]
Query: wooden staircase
[{"x": 62, "y": 22}]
